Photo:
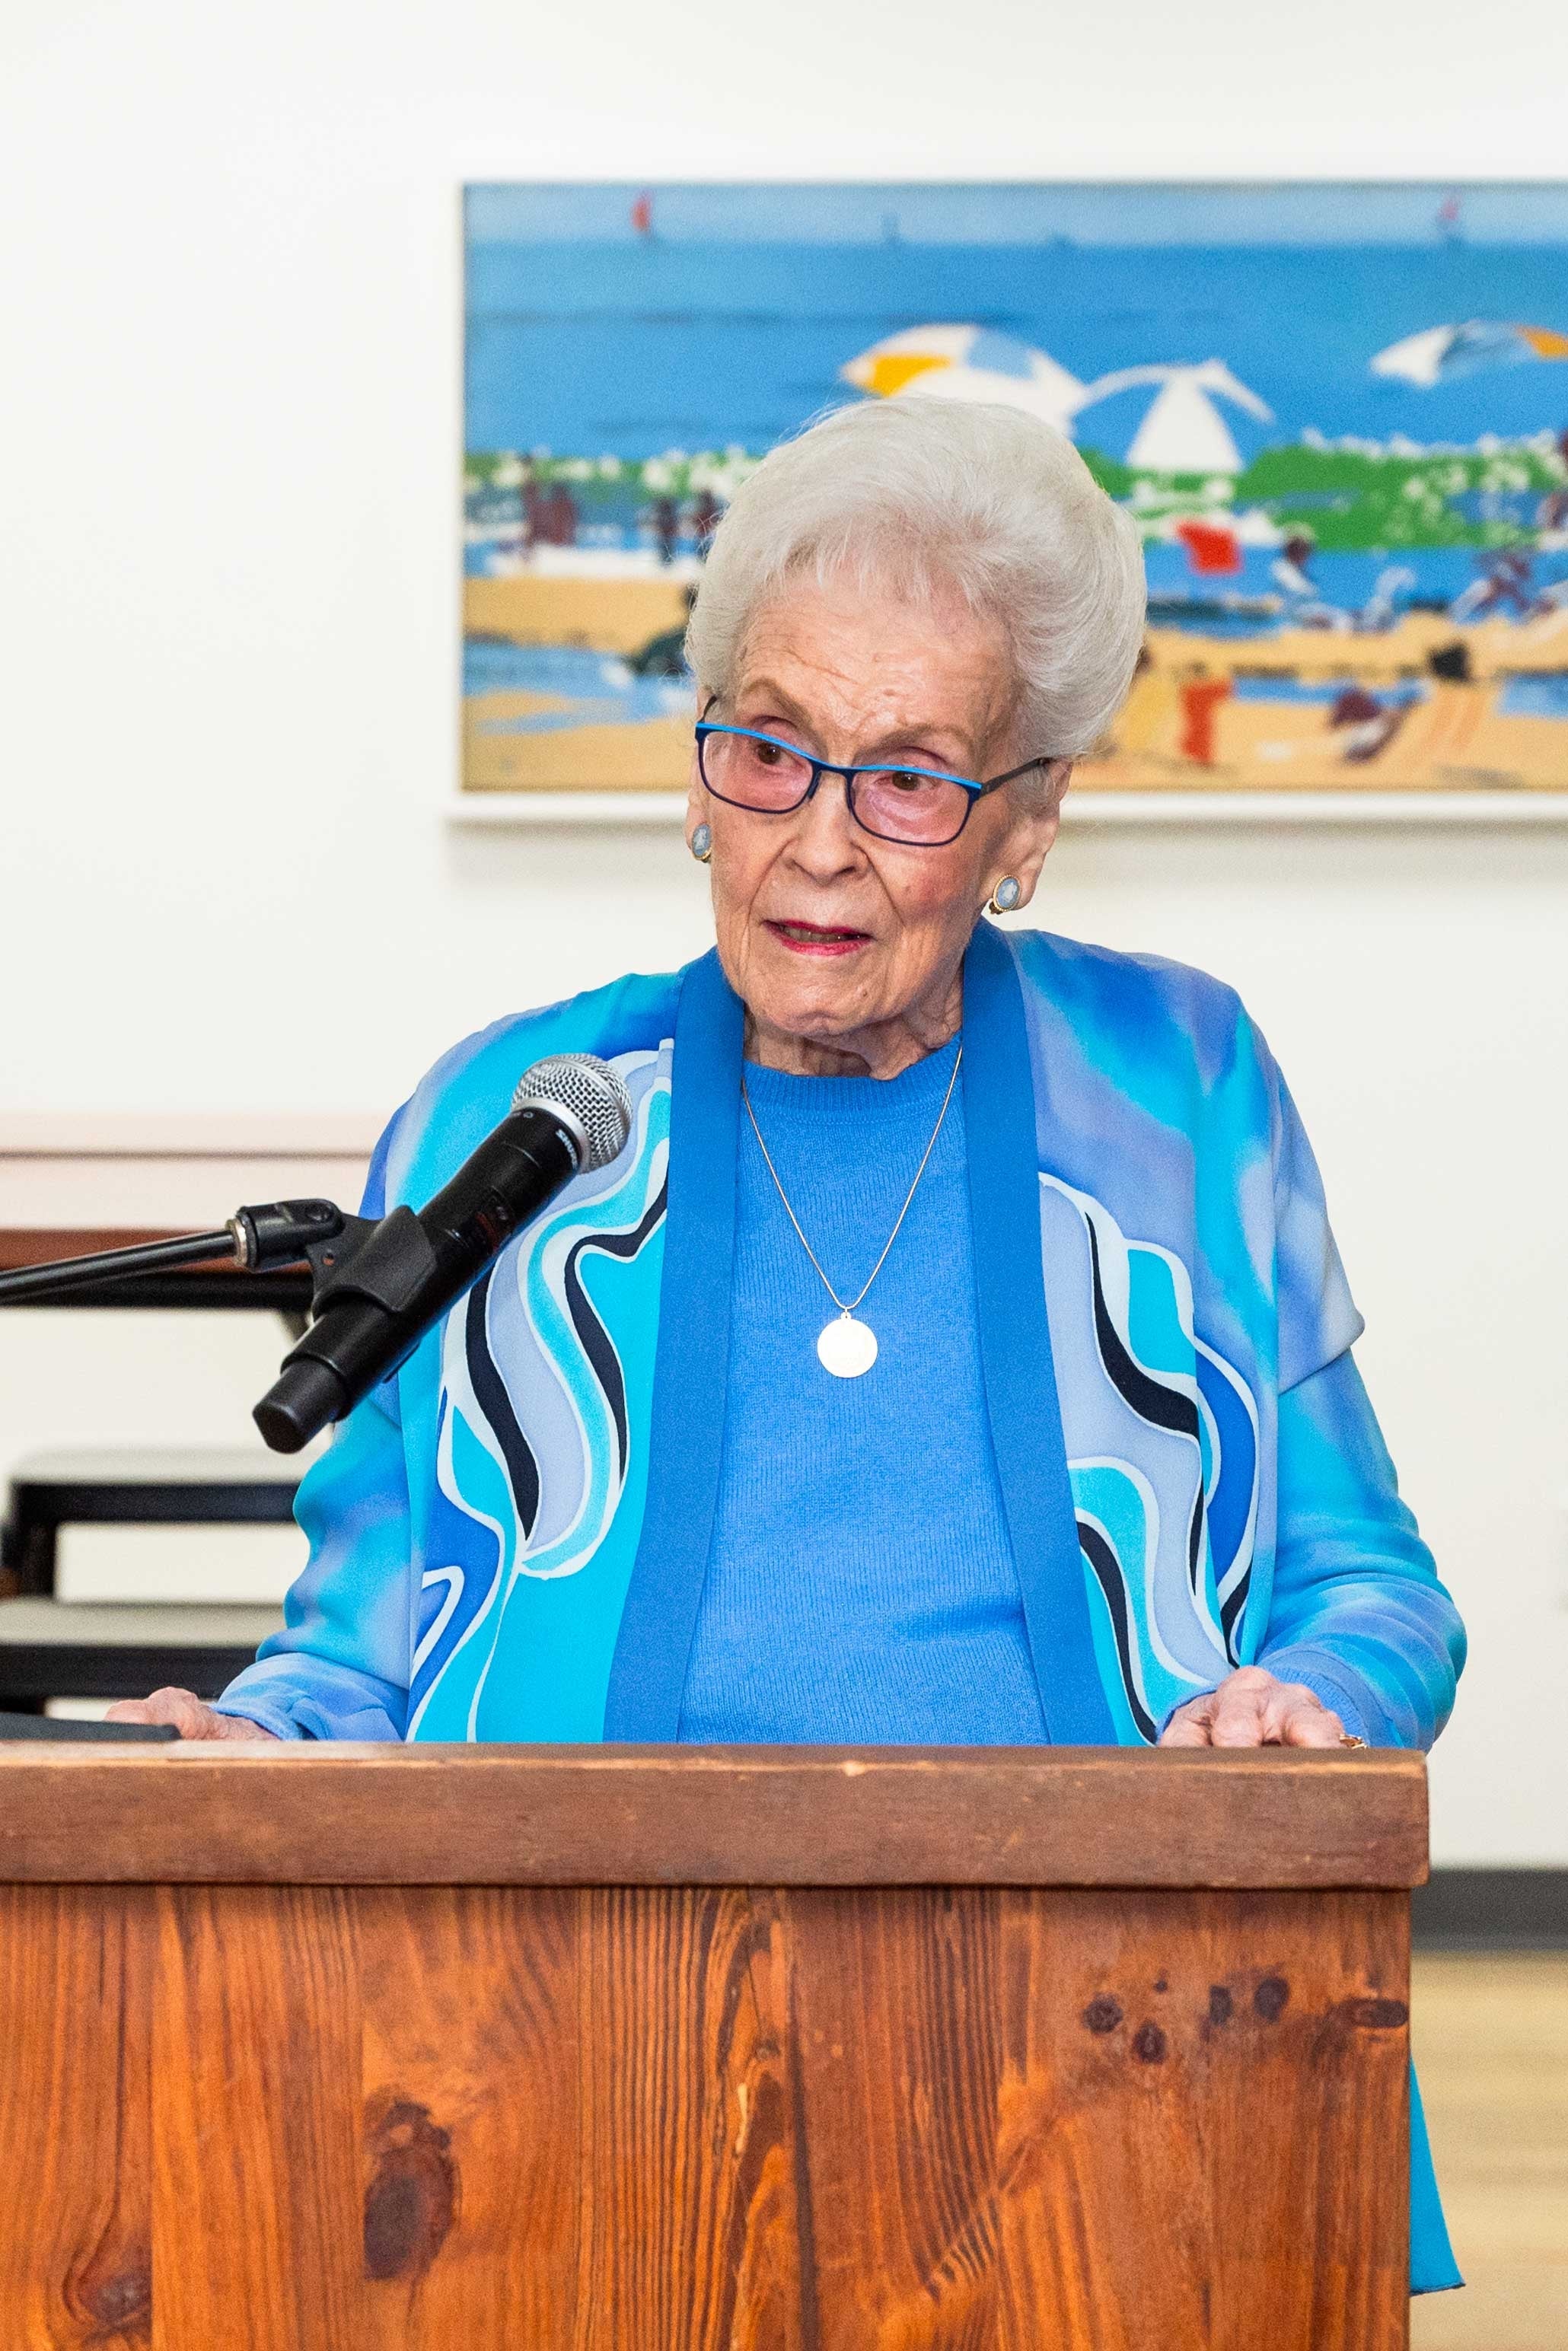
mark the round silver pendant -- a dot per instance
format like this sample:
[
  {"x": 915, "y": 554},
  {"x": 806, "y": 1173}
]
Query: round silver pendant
[{"x": 846, "y": 1348}]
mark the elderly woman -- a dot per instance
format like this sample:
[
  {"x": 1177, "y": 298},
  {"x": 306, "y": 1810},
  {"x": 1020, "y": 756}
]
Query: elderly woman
[{"x": 957, "y": 1350}]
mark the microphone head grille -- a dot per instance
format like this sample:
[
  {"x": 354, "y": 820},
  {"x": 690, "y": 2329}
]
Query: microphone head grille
[{"x": 592, "y": 1095}]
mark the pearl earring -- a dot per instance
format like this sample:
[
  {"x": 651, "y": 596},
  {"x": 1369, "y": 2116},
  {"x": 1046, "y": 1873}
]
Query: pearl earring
[
  {"x": 1005, "y": 896},
  {"x": 701, "y": 844}
]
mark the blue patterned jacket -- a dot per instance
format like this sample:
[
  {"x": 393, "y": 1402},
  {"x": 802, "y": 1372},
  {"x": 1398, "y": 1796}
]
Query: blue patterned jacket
[{"x": 509, "y": 1539}]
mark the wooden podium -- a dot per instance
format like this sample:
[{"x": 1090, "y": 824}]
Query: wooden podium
[{"x": 620, "y": 2049}]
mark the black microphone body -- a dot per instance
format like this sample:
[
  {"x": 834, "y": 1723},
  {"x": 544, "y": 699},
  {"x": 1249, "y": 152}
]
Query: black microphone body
[{"x": 371, "y": 1313}]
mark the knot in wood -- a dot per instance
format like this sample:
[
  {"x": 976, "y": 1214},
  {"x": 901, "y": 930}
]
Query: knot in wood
[
  {"x": 411, "y": 2202},
  {"x": 123, "y": 2305},
  {"x": 1377, "y": 2015},
  {"x": 1270, "y": 1999},
  {"x": 1149, "y": 2044}
]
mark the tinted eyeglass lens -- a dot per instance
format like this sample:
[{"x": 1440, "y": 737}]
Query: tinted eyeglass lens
[
  {"x": 754, "y": 774},
  {"x": 905, "y": 804}
]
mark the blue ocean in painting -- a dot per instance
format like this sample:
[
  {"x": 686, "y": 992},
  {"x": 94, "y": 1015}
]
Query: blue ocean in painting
[
  {"x": 1545, "y": 696},
  {"x": 1314, "y": 693},
  {"x": 586, "y": 688},
  {"x": 612, "y": 341}
]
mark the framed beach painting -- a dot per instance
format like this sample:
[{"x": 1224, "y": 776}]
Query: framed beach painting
[{"x": 1339, "y": 415}]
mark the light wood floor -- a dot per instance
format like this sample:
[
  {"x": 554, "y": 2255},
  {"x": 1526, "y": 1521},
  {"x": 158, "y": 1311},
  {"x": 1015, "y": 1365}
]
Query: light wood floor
[{"x": 1490, "y": 2038}]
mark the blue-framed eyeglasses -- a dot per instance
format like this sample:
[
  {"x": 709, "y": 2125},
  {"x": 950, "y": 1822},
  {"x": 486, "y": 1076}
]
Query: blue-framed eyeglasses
[{"x": 921, "y": 808}]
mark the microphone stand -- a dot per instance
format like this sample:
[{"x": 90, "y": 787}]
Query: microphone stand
[{"x": 256, "y": 1239}]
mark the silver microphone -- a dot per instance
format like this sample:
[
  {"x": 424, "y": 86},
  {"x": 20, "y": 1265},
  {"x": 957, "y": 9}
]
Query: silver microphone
[{"x": 587, "y": 1097}]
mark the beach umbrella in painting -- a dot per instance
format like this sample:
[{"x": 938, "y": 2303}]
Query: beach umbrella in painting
[
  {"x": 1181, "y": 430},
  {"x": 966, "y": 363},
  {"x": 1439, "y": 353}
]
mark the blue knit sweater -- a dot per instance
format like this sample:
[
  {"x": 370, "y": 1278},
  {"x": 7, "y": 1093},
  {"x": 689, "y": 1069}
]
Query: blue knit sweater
[{"x": 861, "y": 1584}]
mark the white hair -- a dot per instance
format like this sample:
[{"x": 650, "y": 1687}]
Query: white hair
[{"x": 941, "y": 497}]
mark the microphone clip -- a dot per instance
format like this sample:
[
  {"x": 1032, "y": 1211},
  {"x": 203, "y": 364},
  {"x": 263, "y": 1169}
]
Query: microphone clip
[{"x": 316, "y": 1233}]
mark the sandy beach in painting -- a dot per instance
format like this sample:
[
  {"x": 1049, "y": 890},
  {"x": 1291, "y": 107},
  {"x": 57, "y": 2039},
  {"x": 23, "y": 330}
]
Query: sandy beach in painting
[
  {"x": 1204, "y": 713},
  {"x": 653, "y": 757},
  {"x": 585, "y": 633},
  {"x": 605, "y": 615}
]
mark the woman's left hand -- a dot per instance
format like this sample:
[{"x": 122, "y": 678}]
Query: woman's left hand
[{"x": 1250, "y": 1709}]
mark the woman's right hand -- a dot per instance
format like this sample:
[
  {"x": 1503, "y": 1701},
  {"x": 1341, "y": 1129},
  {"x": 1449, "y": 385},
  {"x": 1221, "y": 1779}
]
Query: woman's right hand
[{"x": 190, "y": 1717}]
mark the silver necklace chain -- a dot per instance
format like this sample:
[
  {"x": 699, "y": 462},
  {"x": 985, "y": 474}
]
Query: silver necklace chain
[{"x": 848, "y": 1306}]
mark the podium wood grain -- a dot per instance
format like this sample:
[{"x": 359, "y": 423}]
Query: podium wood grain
[{"x": 767, "y": 2116}]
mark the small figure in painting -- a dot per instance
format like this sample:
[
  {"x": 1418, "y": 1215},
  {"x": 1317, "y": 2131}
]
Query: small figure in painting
[
  {"x": 664, "y": 516},
  {"x": 1381, "y": 609},
  {"x": 665, "y": 654},
  {"x": 1202, "y": 694},
  {"x": 559, "y": 517},
  {"x": 1553, "y": 512},
  {"x": 1307, "y": 608},
  {"x": 707, "y": 514},
  {"x": 1504, "y": 582},
  {"x": 535, "y": 502},
  {"x": 1361, "y": 727},
  {"x": 1456, "y": 709}
]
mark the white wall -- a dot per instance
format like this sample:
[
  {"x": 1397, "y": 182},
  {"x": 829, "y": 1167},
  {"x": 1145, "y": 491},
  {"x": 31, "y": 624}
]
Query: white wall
[{"x": 229, "y": 427}]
